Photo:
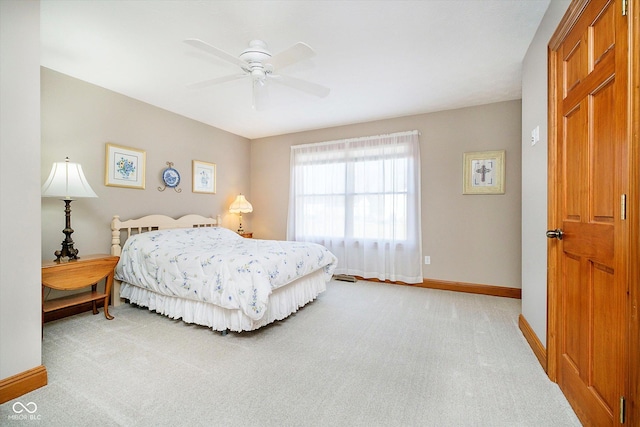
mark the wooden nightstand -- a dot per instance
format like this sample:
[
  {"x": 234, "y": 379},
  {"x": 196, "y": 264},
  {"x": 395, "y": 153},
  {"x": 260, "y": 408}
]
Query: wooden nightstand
[
  {"x": 77, "y": 274},
  {"x": 247, "y": 235}
]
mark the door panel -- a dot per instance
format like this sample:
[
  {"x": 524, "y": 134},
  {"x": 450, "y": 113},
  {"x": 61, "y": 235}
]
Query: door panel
[
  {"x": 575, "y": 65},
  {"x": 574, "y": 306},
  {"x": 574, "y": 165},
  {"x": 602, "y": 197},
  {"x": 603, "y": 33},
  {"x": 605, "y": 319}
]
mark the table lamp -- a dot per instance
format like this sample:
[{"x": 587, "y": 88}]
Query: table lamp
[
  {"x": 240, "y": 205},
  {"x": 67, "y": 181}
]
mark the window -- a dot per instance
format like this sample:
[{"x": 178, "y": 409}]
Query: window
[{"x": 361, "y": 199}]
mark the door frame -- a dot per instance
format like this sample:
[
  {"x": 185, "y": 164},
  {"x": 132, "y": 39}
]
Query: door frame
[{"x": 575, "y": 10}]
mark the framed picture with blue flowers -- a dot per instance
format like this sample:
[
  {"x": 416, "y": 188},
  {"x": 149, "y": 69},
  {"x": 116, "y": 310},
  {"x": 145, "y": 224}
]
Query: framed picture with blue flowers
[
  {"x": 204, "y": 177},
  {"x": 124, "y": 167}
]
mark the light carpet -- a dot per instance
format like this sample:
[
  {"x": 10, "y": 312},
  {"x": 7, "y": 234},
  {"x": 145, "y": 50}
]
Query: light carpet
[{"x": 362, "y": 354}]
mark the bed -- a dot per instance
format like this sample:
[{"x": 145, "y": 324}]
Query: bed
[{"x": 191, "y": 269}]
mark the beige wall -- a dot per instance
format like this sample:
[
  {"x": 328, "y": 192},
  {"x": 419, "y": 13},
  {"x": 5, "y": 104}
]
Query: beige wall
[
  {"x": 473, "y": 239},
  {"x": 20, "y": 338},
  {"x": 470, "y": 238},
  {"x": 78, "y": 118}
]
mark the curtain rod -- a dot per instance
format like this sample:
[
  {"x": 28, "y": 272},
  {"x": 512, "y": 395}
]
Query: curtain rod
[{"x": 360, "y": 138}]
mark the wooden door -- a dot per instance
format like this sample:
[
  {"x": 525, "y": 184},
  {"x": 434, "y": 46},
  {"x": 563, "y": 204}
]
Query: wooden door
[{"x": 589, "y": 307}]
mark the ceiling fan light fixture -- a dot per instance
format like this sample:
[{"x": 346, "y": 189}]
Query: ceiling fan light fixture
[{"x": 258, "y": 74}]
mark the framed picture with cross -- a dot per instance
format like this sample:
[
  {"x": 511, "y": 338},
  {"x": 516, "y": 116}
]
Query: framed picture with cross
[{"x": 483, "y": 172}]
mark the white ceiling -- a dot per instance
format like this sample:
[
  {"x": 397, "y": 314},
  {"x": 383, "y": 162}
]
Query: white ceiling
[{"x": 381, "y": 59}]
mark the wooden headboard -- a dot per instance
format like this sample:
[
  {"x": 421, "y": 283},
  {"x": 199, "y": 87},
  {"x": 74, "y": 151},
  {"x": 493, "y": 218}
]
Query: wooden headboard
[{"x": 154, "y": 222}]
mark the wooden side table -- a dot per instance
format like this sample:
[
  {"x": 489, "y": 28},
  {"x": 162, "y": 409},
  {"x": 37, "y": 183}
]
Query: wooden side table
[{"x": 77, "y": 274}]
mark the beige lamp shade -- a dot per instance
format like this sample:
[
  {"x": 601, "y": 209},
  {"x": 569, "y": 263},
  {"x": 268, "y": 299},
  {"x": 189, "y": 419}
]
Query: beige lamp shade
[
  {"x": 240, "y": 205},
  {"x": 67, "y": 182}
]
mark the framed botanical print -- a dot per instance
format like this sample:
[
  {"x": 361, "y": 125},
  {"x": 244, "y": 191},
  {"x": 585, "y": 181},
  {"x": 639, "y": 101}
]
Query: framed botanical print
[
  {"x": 484, "y": 172},
  {"x": 204, "y": 177},
  {"x": 124, "y": 167}
]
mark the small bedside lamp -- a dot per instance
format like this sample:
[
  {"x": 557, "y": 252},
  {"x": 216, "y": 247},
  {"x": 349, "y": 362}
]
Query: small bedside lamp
[
  {"x": 67, "y": 182},
  {"x": 240, "y": 205}
]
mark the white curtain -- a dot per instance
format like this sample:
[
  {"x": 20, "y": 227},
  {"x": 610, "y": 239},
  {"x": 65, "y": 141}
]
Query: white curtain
[{"x": 360, "y": 198}]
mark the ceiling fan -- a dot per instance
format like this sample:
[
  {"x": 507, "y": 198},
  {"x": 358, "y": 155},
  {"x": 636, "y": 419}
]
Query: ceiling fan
[{"x": 260, "y": 65}]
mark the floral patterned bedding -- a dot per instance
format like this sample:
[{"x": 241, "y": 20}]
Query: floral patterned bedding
[{"x": 218, "y": 266}]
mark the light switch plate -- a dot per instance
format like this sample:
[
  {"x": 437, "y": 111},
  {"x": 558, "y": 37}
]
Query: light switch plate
[{"x": 535, "y": 135}]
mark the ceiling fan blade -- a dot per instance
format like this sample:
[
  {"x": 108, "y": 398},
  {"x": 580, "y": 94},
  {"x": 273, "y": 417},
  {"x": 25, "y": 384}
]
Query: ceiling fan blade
[
  {"x": 260, "y": 94},
  {"x": 296, "y": 53},
  {"x": 211, "y": 82},
  {"x": 302, "y": 85},
  {"x": 199, "y": 44}
]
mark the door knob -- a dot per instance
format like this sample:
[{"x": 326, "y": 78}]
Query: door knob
[{"x": 555, "y": 234}]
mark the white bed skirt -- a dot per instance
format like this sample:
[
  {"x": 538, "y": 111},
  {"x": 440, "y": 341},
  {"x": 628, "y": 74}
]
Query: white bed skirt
[{"x": 282, "y": 302}]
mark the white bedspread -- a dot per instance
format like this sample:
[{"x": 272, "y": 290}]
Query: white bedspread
[{"x": 218, "y": 266}]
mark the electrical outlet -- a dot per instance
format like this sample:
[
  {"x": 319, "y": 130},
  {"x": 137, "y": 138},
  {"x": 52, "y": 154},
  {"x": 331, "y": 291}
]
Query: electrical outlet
[{"x": 427, "y": 260}]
